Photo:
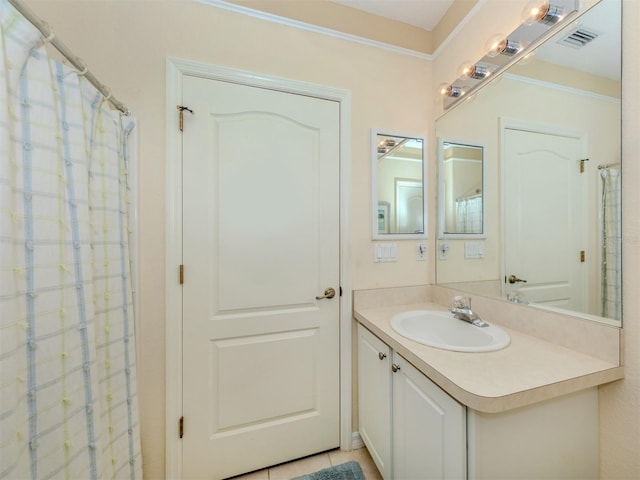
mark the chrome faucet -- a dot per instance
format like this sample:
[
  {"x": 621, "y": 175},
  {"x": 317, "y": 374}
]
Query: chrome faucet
[{"x": 462, "y": 311}]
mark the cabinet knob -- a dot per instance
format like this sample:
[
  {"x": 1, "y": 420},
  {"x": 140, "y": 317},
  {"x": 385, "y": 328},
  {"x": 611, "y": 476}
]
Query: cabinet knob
[
  {"x": 395, "y": 367},
  {"x": 382, "y": 356}
]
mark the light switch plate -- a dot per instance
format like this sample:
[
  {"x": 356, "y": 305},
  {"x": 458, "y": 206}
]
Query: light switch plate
[
  {"x": 473, "y": 249},
  {"x": 385, "y": 252}
]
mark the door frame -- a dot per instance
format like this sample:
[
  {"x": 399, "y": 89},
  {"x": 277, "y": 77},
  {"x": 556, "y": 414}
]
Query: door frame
[
  {"x": 176, "y": 69},
  {"x": 506, "y": 123}
]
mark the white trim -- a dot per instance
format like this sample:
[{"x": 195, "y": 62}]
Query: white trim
[
  {"x": 173, "y": 291},
  {"x": 375, "y": 235},
  {"x": 176, "y": 69},
  {"x": 232, "y": 7},
  {"x": 561, "y": 88},
  {"x": 442, "y": 235},
  {"x": 356, "y": 441}
]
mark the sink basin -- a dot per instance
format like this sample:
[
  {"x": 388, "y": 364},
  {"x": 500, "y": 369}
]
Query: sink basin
[{"x": 440, "y": 329}]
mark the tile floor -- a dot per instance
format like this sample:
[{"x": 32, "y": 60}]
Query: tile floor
[{"x": 296, "y": 468}]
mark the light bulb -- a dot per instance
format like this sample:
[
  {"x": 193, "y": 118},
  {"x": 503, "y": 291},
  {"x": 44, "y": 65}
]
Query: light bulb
[
  {"x": 492, "y": 45},
  {"x": 508, "y": 47},
  {"x": 452, "y": 91},
  {"x": 540, "y": 11},
  {"x": 479, "y": 71}
]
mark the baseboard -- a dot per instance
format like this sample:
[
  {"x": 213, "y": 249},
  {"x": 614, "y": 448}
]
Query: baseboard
[{"x": 356, "y": 440}]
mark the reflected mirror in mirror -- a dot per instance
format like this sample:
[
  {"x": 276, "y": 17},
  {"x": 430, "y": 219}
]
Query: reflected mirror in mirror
[
  {"x": 552, "y": 188},
  {"x": 398, "y": 185},
  {"x": 461, "y": 187}
]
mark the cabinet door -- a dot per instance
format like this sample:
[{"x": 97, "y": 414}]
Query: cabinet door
[
  {"x": 429, "y": 428},
  {"x": 374, "y": 390}
]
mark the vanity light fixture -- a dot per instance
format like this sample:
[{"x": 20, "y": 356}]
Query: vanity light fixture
[
  {"x": 542, "y": 12},
  {"x": 541, "y": 19}
]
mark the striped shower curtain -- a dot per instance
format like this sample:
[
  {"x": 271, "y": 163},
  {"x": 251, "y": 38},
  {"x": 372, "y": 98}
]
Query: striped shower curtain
[
  {"x": 68, "y": 401},
  {"x": 611, "y": 290},
  {"x": 469, "y": 215}
]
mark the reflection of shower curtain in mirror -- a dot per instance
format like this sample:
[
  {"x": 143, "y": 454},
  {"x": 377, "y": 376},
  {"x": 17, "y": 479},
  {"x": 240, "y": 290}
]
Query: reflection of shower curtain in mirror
[
  {"x": 469, "y": 215},
  {"x": 68, "y": 390},
  {"x": 611, "y": 244}
]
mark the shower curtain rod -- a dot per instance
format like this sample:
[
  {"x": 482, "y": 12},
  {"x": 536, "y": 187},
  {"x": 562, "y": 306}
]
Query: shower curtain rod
[
  {"x": 608, "y": 165},
  {"x": 49, "y": 36}
]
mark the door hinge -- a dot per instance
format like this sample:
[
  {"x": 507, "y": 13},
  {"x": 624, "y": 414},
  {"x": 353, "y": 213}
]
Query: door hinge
[
  {"x": 181, "y": 109},
  {"x": 340, "y": 290},
  {"x": 181, "y": 274},
  {"x": 181, "y": 426},
  {"x": 582, "y": 255},
  {"x": 582, "y": 164}
]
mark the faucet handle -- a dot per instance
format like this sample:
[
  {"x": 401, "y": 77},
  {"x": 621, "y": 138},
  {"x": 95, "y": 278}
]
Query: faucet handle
[{"x": 460, "y": 302}]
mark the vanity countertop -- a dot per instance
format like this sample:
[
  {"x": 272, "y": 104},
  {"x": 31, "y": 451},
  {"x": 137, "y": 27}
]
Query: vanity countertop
[{"x": 528, "y": 371}]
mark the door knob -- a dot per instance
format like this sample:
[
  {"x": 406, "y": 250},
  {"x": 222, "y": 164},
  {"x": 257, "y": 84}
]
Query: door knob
[
  {"x": 328, "y": 293},
  {"x": 514, "y": 279}
]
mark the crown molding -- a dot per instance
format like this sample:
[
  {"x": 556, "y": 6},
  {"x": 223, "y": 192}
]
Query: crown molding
[
  {"x": 561, "y": 88},
  {"x": 232, "y": 7}
]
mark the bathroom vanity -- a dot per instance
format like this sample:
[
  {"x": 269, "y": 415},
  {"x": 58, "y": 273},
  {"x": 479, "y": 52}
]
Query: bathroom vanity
[{"x": 529, "y": 410}]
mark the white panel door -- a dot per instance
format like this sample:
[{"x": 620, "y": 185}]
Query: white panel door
[
  {"x": 545, "y": 227},
  {"x": 261, "y": 241}
]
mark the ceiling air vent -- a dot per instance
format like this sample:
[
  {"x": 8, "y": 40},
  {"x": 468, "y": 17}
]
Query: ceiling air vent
[{"x": 579, "y": 38}]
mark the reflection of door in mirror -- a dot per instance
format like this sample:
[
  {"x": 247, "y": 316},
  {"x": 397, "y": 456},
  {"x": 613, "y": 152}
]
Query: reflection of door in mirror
[
  {"x": 398, "y": 186},
  {"x": 543, "y": 193},
  {"x": 462, "y": 189},
  {"x": 409, "y": 203}
]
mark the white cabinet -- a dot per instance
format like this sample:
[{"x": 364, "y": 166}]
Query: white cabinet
[
  {"x": 374, "y": 390},
  {"x": 416, "y": 431},
  {"x": 554, "y": 439},
  {"x": 429, "y": 428},
  {"x": 411, "y": 427}
]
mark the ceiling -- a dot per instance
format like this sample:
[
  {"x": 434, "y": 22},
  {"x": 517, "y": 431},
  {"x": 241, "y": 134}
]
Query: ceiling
[{"x": 424, "y": 14}]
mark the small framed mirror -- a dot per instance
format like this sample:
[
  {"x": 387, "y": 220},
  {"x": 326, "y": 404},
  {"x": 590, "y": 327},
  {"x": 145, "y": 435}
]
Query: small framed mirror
[
  {"x": 398, "y": 185},
  {"x": 461, "y": 190}
]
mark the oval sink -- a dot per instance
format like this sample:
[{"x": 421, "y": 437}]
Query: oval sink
[{"x": 440, "y": 329}]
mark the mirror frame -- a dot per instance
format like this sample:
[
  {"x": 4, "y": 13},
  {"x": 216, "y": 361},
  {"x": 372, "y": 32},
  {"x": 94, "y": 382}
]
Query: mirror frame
[
  {"x": 441, "y": 202},
  {"x": 465, "y": 285},
  {"x": 374, "y": 186}
]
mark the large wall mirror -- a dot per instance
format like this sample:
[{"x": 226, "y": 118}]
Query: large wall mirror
[
  {"x": 398, "y": 188},
  {"x": 460, "y": 190},
  {"x": 551, "y": 130}
]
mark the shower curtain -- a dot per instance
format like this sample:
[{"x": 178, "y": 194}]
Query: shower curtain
[
  {"x": 611, "y": 244},
  {"x": 68, "y": 401},
  {"x": 469, "y": 214}
]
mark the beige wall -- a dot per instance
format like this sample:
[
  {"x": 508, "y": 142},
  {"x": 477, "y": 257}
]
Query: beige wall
[
  {"x": 620, "y": 401},
  {"x": 126, "y": 44}
]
